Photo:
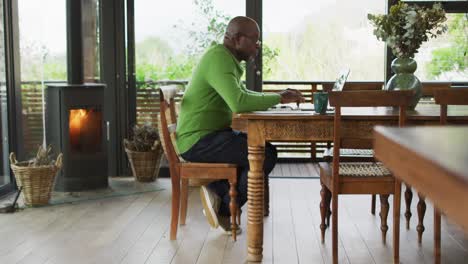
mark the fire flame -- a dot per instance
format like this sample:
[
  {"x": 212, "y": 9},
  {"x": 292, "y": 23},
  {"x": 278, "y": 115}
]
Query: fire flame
[
  {"x": 77, "y": 118},
  {"x": 85, "y": 132}
]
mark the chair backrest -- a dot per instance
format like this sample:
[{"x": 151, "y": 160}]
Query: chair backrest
[
  {"x": 399, "y": 99},
  {"x": 355, "y": 86},
  {"x": 168, "y": 122},
  {"x": 429, "y": 88},
  {"x": 450, "y": 96}
]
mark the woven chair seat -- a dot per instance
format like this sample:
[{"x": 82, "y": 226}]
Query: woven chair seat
[
  {"x": 351, "y": 152},
  {"x": 363, "y": 169},
  {"x": 357, "y": 152}
]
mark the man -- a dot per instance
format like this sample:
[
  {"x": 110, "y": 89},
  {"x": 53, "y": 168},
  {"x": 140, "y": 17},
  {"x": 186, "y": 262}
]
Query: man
[{"x": 214, "y": 93}]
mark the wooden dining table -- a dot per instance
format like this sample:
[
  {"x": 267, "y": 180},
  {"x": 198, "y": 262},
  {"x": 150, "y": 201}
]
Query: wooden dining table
[
  {"x": 299, "y": 125},
  {"x": 434, "y": 160}
]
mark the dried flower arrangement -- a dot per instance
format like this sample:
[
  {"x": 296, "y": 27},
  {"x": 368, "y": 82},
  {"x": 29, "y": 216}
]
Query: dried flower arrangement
[
  {"x": 43, "y": 157},
  {"x": 143, "y": 139}
]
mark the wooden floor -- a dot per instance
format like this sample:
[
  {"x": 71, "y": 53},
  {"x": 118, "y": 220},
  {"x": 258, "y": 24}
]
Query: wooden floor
[
  {"x": 296, "y": 170},
  {"x": 135, "y": 229}
]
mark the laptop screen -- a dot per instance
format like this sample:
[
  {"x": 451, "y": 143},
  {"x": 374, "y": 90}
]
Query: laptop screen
[{"x": 340, "y": 82}]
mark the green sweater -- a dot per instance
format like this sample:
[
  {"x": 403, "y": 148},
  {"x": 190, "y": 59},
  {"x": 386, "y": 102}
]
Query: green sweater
[{"x": 213, "y": 94}]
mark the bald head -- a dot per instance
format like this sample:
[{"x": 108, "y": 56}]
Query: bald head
[
  {"x": 242, "y": 38},
  {"x": 242, "y": 25}
]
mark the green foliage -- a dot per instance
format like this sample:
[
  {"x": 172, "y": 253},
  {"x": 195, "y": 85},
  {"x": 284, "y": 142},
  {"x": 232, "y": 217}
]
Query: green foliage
[
  {"x": 179, "y": 68},
  {"x": 153, "y": 50},
  {"x": 175, "y": 68},
  {"x": 214, "y": 24},
  {"x": 146, "y": 71},
  {"x": 454, "y": 57},
  {"x": 38, "y": 63},
  {"x": 155, "y": 59},
  {"x": 270, "y": 55},
  {"x": 406, "y": 27},
  {"x": 55, "y": 71}
]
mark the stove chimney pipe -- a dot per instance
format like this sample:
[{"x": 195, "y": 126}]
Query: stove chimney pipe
[{"x": 75, "y": 67}]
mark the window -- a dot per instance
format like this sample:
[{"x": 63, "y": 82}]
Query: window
[
  {"x": 314, "y": 40},
  {"x": 43, "y": 54},
  {"x": 445, "y": 58},
  {"x": 42, "y": 40},
  {"x": 170, "y": 37}
]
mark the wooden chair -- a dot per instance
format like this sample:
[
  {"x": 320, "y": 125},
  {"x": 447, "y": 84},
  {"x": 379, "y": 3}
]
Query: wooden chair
[
  {"x": 429, "y": 88},
  {"x": 445, "y": 97},
  {"x": 182, "y": 171},
  {"x": 428, "y": 91},
  {"x": 360, "y": 178},
  {"x": 355, "y": 86},
  {"x": 354, "y": 155}
]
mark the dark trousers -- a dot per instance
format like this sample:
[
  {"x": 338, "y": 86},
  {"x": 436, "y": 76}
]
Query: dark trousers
[{"x": 229, "y": 146}]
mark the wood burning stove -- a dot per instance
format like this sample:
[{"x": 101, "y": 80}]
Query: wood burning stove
[
  {"x": 75, "y": 126},
  {"x": 75, "y": 117}
]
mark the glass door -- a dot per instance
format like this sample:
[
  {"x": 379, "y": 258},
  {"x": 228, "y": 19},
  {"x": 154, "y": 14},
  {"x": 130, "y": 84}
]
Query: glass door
[{"x": 5, "y": 178}]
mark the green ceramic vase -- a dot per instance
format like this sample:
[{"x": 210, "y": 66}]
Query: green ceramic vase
[{"x": 404, "y": 78}]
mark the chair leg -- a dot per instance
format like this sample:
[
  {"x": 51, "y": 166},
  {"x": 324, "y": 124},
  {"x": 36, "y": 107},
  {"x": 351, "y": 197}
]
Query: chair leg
[
  {"x": 183, "y": 201},
  {"x": 233, "y": 208},
  {"x": 384, "y": 207},
  {"x": 323, "y": 211},
  {"x": 335, "y": 228},
  {"x": 408, "y": 198},
  {"x": 437, "y": 235},
  {"x": 421, "y": 212},
  {"x": 328, "y": 196},
  {"x": 175, "y": 207},
  {"x": 396, "y": 221},
  {"x": 266, "y": 197},
  {"x": 313, "y": 151},
  {"x": 373, "y": 205}
]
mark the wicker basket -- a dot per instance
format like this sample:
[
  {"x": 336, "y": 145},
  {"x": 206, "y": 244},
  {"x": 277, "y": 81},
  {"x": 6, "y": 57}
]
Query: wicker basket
[
  {"x": 37, "y": 181},
  {"x": 145, "y": 165}
]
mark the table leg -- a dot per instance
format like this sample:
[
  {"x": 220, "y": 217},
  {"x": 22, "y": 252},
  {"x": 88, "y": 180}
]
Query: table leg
[{"x": 255, "y": 204}]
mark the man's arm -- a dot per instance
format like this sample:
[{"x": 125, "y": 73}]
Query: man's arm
[
  {"x": 221, "y": 76},
  {"x": 242, "y": 86}
]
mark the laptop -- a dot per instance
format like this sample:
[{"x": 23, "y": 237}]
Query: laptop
[
  {"x": 340, "y": 82},
  {"x": 337, "y": 86}
]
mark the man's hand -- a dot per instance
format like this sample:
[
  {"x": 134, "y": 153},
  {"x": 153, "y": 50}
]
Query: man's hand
[{"x": 291, "y": 96}]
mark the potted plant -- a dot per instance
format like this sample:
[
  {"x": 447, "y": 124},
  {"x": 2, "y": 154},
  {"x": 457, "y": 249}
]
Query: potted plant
[
  {"x": 404, "y": 29},
  {"x": 37, "y": 175},
  {"x": 144, "y": 152}
]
